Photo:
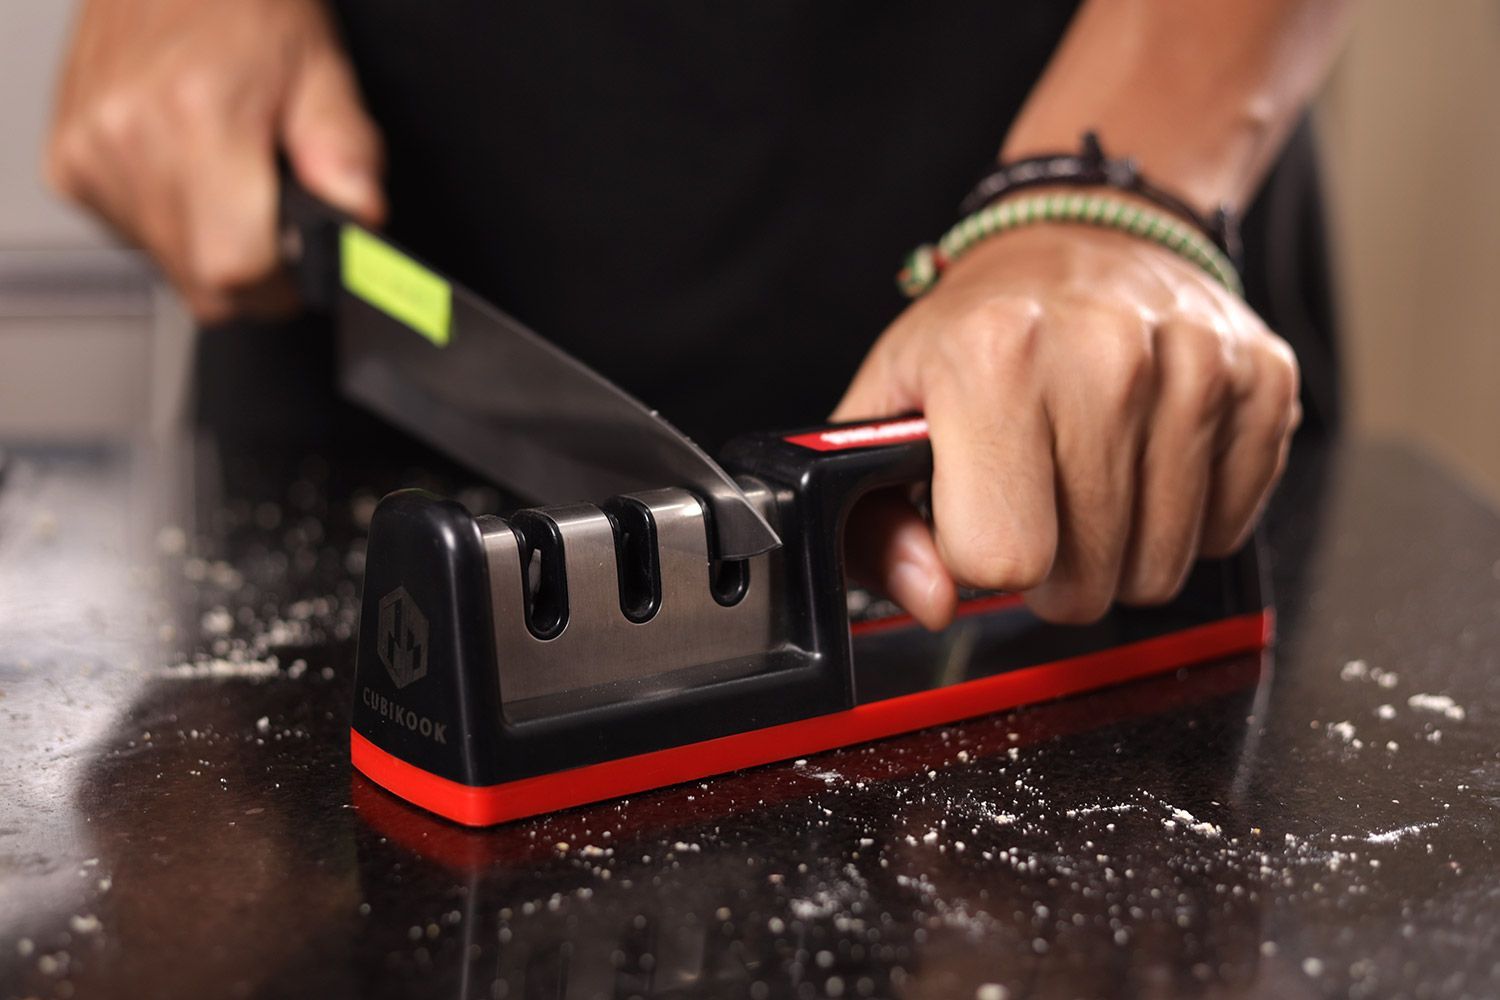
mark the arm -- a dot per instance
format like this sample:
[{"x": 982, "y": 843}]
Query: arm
[
  {"x": 1101, "y": 411},
  {"x": 1201, "y": 94}
]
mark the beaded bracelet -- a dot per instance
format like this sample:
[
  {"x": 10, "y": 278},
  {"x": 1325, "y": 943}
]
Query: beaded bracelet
[{"x": 927, "y": 262}]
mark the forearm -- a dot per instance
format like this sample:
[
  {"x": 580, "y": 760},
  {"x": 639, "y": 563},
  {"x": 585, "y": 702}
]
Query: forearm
[{"x": 1201, "y": 94}]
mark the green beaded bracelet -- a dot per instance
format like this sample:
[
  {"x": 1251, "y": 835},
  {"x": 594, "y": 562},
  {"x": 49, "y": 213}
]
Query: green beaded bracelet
[{"x": 927, "y": 262}]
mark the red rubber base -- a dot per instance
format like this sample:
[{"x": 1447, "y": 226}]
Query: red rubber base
[{"x": 484, "y": 806}]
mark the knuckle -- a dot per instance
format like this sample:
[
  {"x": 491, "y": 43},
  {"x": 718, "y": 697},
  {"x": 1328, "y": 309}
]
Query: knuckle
[
  {"x": 1279, "y": 373},
  {"x": 116, "y": 119},
  {"x": 221, "y": 266},
  {"x": 195, "y": 94},
  {"x": 63, "y": 161},
  {"x": 998, "y": 564},
  {"x": 1129, "y": 372},
  {"x": 1204, "y": 368},
  {"x": 1004, "y": 322}
]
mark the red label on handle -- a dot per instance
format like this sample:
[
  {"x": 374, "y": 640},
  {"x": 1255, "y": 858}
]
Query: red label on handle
[{"x": 863, "y": 435}]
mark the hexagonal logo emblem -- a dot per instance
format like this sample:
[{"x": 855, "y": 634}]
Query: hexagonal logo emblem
[{"x": 403, "y": 638}]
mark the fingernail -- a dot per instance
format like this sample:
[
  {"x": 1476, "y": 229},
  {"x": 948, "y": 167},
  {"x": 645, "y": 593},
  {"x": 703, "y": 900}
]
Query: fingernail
[
  {"x": 911, "y": 587},
  {"x": 354, "y": 190}
]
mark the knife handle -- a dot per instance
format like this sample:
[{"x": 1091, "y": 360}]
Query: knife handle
[{"x": 308, "y": 235}]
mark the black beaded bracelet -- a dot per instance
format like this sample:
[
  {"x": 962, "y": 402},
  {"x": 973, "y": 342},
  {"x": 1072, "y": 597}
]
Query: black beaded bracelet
[{"x": 1089, "y": 167}]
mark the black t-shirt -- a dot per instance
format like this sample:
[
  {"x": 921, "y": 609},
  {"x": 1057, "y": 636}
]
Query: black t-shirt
[{"x": 708, "y": 201}]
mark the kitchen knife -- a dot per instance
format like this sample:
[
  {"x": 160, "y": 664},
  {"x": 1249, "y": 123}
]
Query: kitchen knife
[{"x": 438, "y": 361}]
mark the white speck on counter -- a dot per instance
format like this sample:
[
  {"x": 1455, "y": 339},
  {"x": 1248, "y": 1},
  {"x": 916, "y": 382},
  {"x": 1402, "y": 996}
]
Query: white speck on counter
[
  {"x": 992, "y": 991},
  {"x": 250, "y": 669},
  {"x": 1359, "y": 670},
  {"x": 1386, "y": 712},
  {"x": 1345, "y": 731},
  {"x": 1392, "y": 836},
  {"x": 1190, "y": 822},
  {"x": 263, "y": 724},
  {"x": 1439, "y": 703},
  {"x": 1312, "y": 966},
  {"x": 85, "y": 924}
]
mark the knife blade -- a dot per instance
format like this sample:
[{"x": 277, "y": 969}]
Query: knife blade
[{"x": 437, "y": 360}]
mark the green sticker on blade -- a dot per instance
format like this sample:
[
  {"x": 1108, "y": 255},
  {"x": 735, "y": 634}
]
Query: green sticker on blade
[{"x": 395, "y": 284}]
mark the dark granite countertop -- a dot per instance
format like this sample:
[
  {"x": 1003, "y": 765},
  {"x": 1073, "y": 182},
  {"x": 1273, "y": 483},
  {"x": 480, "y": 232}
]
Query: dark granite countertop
[{"x": 178, "y": 817}]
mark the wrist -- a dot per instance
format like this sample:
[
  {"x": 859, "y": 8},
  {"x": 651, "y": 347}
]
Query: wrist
[
  {"x": 1104, "y": 208},
  {"x": 1115, "y": 194},
  {"x": 1090, "y": 167}
]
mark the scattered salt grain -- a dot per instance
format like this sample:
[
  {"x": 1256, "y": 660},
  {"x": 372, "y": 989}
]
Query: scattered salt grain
[
  {"x": 217, "y": 621},
  {"x": 1392, "y": 836},
  {"x": 1438, "y": 703},
  {"x": 1345, "y": 731},
  {"x": 222, "y": 668}
]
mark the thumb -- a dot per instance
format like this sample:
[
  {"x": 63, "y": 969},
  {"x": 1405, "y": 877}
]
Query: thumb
[
  {"x": 889, "y": 547},
  {"x": 879, "y": 388},
  {"x": 330, "y": 139}
]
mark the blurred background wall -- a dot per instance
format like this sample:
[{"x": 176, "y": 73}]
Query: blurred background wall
[
  {"x": 1412, "y": 133},
  {"x": 1408, "y": 122}
]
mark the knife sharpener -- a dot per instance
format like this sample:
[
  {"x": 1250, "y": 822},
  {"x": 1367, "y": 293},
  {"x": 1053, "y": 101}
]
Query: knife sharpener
[{"x": 569, "y": 654}]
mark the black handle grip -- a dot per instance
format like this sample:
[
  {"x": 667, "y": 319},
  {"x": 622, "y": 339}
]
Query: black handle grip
[
  {"x": 308, "y": 232},
  {"x": 836, "y": 464},
  {"x": 819, "y": 474}
]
